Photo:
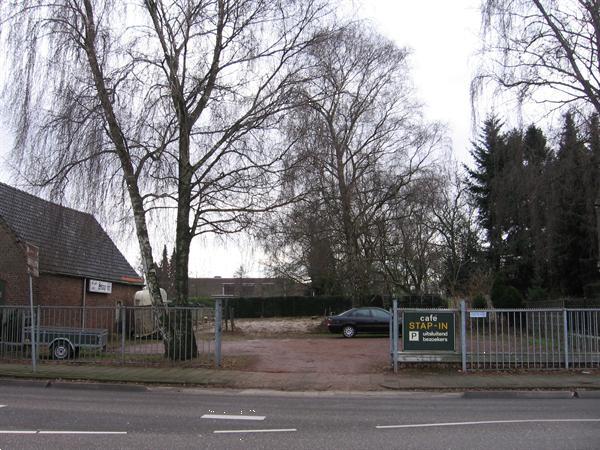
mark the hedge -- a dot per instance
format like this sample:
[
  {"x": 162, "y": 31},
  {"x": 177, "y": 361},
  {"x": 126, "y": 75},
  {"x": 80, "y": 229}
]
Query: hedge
[
  {"x": 287, "y": 306},
  {"x": 301, "y": 306},
  {"x": 422, "y": 301}
]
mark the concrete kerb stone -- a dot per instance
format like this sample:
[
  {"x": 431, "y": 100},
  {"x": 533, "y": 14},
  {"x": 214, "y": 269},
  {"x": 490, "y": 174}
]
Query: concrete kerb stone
[
  {"x": 589, "y": 386},
  {"x": 585, "y": 394},
  {"x": 504, "y": 394}
]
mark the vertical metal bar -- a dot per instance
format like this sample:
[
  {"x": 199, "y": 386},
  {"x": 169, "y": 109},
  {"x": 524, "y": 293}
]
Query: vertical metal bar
[
  {"x": 539, "y": 339},
  {"x": 37, "y": 332},
  {"x": 123, "y": 314},
  {"x": 573, "y": 321},
  {"x": 502, "y": 337},
  {"x": 545, "y": 343},
  {"x": 596, "y": 337},
  {"x": 553, "y": 347},
  {"x": 508, "y": 341},
  {"x": 396, "y": 334},
  {"x": 566, "y": 338},
  {"x": 512, "y": 339},
  {"x": 463, "y": 337},
  {"x": 33, "y": 336},
  {"x": 477, "y": 351},
  {"x": 218, "y": 325},
  {"x": 471, "y": 346},
  {"x": 484, "y": 338},
  {"x": 532, "y": 344},
  {"x": 391, "y": 335}
]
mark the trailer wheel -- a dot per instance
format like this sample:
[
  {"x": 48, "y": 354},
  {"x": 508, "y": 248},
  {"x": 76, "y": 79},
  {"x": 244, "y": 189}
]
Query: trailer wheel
[{"x": 61, "y": 349}]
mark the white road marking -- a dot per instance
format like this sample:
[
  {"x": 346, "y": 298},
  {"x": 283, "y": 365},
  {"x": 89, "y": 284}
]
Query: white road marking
[
  {"x": 481, "y": 422},
  {"x": 2, "y": 406},
  {"x": 17, "y": 432},
  {"x": 280, "y": 430},
  {"x": 58, "y": 432},
  {"x": 232, "y": 417},
  {"x": 80, "y": 432}
]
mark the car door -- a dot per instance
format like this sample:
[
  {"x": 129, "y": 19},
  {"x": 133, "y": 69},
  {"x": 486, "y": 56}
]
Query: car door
[
  {"x": 362, "y": 319},
  {"x": 381, "y": 320}
]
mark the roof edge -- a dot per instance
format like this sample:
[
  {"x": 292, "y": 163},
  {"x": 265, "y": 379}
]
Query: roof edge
[{"x": 130, "y": 281}]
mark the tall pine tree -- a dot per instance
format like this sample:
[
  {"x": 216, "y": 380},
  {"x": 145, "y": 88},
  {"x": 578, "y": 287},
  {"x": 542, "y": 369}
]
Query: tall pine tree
[
  {"x": 483, "y": 183},
  {"x": 572, "y": 223}
]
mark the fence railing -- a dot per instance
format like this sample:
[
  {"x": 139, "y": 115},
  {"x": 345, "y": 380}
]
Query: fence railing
[
  {"x": 108, "y": 334},
  {"x": 504, "y": 339}
]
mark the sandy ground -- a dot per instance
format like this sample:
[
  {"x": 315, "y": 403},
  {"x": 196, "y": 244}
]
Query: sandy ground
[
  {"x": 279, "y": 326},
  {"x": 301, "y": 346}
]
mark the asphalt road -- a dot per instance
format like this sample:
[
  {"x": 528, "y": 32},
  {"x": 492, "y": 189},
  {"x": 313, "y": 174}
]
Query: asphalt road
[{"x": 68, "y": 418}]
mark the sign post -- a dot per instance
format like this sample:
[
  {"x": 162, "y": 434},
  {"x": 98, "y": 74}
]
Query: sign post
[
  {"x": 428, "y": 330},
  {"x": 32, "y": 253},
  {"x": 218, "y": 330}
]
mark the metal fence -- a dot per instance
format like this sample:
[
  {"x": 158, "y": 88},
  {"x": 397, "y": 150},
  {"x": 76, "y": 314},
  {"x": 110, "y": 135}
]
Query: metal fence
[
  {"x": 128, "y": 335},
  {"x": 505, "y": 339}
]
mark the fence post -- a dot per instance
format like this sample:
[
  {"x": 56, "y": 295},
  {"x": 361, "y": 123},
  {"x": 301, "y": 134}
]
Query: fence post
[
  {"x": 218, "y": 325},
  {"x": 391, "y": 334},
  {"x": 38, "y": 323},
  {"x": 395, "y": 335},
  {"x": 566, "y": 337},
  {"x": 463, "y": 335},
  {"x": 123, "y": 315},
  {"x": 33, "y": 327}
]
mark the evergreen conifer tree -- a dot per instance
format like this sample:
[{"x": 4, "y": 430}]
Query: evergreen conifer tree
[{"x": 483, "y": 182}]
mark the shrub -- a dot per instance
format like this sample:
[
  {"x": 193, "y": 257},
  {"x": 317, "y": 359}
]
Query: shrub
[
  {"x": 479, "y": 302},
  {"x": 504, "y": 296},
  {"x": 536, "y": 294}
]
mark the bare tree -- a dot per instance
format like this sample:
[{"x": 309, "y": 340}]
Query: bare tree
[
  {"x": 454, "y": 221},
  {"x": 360, "y": 141},
  {"x": 163, "y": 104},
  {"x": 547, "y": 50},
  {"x": 409, "y": 252}
]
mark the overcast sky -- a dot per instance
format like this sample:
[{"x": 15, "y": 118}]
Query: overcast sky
[{"x": 443, "y": 36}]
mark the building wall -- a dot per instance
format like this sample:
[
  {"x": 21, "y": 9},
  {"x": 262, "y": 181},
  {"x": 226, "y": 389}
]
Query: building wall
[
  {"x": 63, "y": 291},
  {"x": 57, "y": 290},
  {"x": 13, "y": 269}
]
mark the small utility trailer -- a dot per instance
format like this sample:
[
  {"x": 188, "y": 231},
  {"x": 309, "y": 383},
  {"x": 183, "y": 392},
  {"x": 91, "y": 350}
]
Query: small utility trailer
[{"x": 65, "y": 342}]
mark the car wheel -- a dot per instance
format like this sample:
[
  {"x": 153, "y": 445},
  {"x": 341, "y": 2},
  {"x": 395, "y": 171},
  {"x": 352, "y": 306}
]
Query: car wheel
[
  {"x": 348, "y": 331},
  {"x": 60, "y": 350}
]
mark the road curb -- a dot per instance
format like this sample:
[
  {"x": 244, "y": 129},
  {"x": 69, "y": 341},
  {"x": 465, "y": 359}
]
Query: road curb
[
  {"x": 59, "y": 383},
  {"x": 585, "y": 394},
  {"x": 96, "y": 386},
  {"x": 510, "y": 394},
  {"x": 42, "y": 383}
]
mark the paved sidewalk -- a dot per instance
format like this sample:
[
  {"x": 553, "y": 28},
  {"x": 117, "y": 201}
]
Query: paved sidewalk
[{"x": 407, "y": 379}]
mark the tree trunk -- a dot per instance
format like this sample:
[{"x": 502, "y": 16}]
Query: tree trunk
[
  {"x": 181, "y": 344},
  {"x": 117, "y": 137}
]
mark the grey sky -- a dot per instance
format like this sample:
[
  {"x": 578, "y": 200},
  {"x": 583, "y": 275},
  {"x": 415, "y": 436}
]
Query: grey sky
[{"x": 443, "y": 36}]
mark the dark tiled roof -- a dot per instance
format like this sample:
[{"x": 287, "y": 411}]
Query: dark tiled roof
[{"x": 71, "y": 242}]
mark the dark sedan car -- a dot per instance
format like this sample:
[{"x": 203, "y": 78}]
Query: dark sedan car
[{"x": 355, "y": 320}]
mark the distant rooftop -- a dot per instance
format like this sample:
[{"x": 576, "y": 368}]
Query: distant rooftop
[{"x": 70, "y": 242}]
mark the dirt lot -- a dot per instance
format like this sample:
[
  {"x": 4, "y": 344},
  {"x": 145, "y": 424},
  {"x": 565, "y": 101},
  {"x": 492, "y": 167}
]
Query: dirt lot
[{"x": 301, "y": 345}]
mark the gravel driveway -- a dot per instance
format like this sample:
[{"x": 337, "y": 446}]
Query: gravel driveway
[{"x": 302, "y": 355}]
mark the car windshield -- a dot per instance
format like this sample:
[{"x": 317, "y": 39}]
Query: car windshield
[{"x": 345, "y": 313}]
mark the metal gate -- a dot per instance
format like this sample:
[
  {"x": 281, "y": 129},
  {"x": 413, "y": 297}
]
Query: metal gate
[
  {"x": 120, "y": 334},
  {"x": 505, "y": 339}
]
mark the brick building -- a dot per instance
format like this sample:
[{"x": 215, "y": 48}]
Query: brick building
[{"x": 78, "y": 263}]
